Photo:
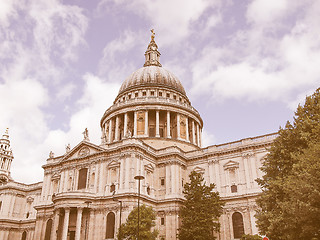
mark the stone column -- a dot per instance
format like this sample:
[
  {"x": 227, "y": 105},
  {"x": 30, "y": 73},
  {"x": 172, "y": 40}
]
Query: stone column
[
  {"x": 116, "y": 132},
  {"x": 246, "y": 171},
  {"x": 187, "y": 129},
  {"x": 178, "y": 126},
  {"x": 66, "y": 223},
  {"x": 125, "y": 127},
  {"x": 6, "y": 164},
  {"x": 254, "y": 171},
  {"x": 55, "y": 226},
  {"x": 91, "y": 227},
  {"x": 110, "y": 131},
  {"x": 61, "y": 182},
  {"x": 167, "y": 183},
  {"x": 121, "y": 173},
  {"x": 168, "y": 125},
  {"x": 210, "y": 171},
  {"x": 135, "y": 124},
  {"x": 217, "y": 173},
  {"x": 96, "y": 181},
  {"x": 157, "y": 124},
  {"x": 146, "y": 124},
  {"x": 78, "y": 224},
  {"x": 198, "y": 135},
  {"x": 127, "y": 173},
  {"x": 193, "y": 133}
]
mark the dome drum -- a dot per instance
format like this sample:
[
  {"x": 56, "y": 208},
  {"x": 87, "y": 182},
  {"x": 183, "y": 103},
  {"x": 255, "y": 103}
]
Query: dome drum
[{"x": 152, "y": 123}]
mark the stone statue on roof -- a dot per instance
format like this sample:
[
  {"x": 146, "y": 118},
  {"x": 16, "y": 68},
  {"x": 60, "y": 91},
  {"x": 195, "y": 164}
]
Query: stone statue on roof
[{"x": 86, "y": 135}]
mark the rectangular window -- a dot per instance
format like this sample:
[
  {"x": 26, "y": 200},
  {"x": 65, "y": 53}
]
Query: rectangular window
[
  {"x": 144, "y": 93},
  {"x": 162, "y": 221},
  {"x": 168, "y": 95},
  {"x": 136, "y": 94},
  {"x": 160, "y": 94},
  {"x": 162, "y": 181},
  {"x": 152, "y": 93},
  {"x": 82, "y": 180}
]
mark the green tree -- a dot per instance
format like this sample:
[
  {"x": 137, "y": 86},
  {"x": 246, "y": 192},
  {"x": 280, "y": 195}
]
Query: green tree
[
  {"x": 251, "y": 237},
  {"x": 289, "y": 204},
  {"x": 200, "y": 211},
  {"x": 129, "y": 229}
]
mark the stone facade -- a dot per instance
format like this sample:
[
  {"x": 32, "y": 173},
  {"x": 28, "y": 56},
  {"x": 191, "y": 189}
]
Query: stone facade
[{"x": 151, "y": 130}]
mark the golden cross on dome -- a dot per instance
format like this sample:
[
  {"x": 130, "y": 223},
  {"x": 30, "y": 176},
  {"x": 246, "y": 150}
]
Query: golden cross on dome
[{"x": 152, "y": 34}]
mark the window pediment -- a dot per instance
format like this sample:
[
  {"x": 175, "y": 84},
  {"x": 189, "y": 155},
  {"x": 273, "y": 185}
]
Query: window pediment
[{"x": 231, "y": 165}]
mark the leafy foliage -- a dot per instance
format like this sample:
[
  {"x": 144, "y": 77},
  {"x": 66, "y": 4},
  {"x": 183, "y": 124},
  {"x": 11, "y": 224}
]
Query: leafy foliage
[
  {"x": 129, "y": 230},
  {"x": 289, "y": 204},
  {"x": 251, "y": 237},
  {"x": 200, "y": 212}
]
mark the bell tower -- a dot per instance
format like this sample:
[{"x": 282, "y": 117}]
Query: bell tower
[{"x": 6, "y": 157}]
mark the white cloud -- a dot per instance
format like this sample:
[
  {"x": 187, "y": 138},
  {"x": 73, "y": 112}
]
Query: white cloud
[
  {"x": 208, "y": 139},
  {"x": 65, "y": 92},
  {"x": 38, "y": 34},
  {"x": 261, "y": 11},
  {"x": 7, "y": 10},
  {"x": 34, "y": 36},
  {"x": 96, "y": 99},
  {"x": 117, "y": 51},
  {"x": 257, "y": 65},
  {"x": 172, "y": 19},
  {"x": 32, "y": 140}
]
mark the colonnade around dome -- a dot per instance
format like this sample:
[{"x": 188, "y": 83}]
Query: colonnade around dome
[{"x": 152, "y": 123}]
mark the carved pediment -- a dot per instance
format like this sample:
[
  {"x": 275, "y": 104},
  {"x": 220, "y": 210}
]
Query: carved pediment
[
  {"x": 55, "y": 176},
  {"x": 230, "y": 165},
  {"x": 149, "y": 167},
  {"x": 83, "y": 149},
  {"x": 114, "y": 164}
]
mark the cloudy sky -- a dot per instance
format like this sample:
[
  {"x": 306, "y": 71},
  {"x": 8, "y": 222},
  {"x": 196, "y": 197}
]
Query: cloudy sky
[{"x": 244, "y": 64}]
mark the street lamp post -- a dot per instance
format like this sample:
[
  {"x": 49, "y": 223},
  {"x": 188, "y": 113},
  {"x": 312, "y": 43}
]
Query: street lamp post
[
  {"x": 139, "y": 178},
  {"x": 116, "y": 200}
]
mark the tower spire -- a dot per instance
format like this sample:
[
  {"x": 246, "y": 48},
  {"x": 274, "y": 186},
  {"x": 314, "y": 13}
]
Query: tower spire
[
  {"x": 6, "y": 157},
  {"x": 152, "y": 54}
]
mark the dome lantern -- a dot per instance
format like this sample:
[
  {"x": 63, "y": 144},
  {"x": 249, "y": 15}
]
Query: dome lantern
[{"x": 152, "y": 54}]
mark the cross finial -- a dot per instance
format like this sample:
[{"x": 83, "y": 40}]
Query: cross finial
[{"x": 152, "y": 34}]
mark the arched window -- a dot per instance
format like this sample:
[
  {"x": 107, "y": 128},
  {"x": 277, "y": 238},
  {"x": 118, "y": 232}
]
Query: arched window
[
  {"x": 24, "y": 235},
  {"x": 82, "y": 180},
  {"x": 48, "y": 230},
  {"x": 234, "y": 188},
  {"x": 112, "y": 187},
  {"x": 110, "y": 225},
  {"x": 237, "y": 222}
]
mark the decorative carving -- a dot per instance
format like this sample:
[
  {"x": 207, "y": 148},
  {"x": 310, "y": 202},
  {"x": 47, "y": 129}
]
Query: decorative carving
[
  {"x": 247, "y": 154},
  {"x": 84, "y": 152}
]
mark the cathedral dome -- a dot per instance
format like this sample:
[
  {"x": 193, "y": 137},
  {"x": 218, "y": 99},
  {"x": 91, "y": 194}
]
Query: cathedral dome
[{"x": 152, "y": 76}]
